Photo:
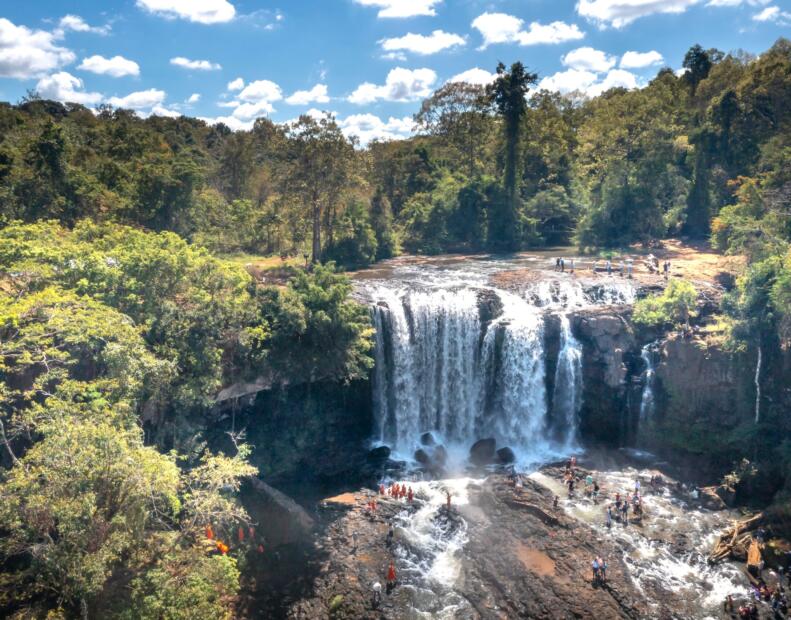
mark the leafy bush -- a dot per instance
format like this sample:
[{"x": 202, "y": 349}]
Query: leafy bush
[{"x": 674, "y": 307}]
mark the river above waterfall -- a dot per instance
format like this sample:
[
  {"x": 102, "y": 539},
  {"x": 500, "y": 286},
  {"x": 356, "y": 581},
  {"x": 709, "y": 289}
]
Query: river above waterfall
[{"x": 461, "y": 350}]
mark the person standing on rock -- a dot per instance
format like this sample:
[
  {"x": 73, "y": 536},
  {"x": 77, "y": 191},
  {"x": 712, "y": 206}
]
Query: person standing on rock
[
  {"x": 390, "y": 535},
  {"x": 391, "y": 577},
  {"x": 448, "y": 493},
  {"x": 555, "y": 503},
  {"x": 595, "y": 567},
  {"x": 410, "y": 495},
  {"x": 377, "y": 595},
  {"x": 609, "y": 517},
  {"x": 602, "y": 569}
]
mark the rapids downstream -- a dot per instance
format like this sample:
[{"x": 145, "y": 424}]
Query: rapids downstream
[{"x": 462, "y": 352}]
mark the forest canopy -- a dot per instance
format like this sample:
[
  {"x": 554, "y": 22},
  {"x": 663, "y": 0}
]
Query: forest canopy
[{"x": 125, "y": 310}]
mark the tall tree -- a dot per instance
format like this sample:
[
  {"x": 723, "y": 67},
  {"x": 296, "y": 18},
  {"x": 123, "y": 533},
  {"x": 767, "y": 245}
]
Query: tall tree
[
  {"x": 508, "y": 94},
  {"x": 321, "y": 166},
  {"x": 458, "y": 114},
  {"x": 698, "y": 63}
]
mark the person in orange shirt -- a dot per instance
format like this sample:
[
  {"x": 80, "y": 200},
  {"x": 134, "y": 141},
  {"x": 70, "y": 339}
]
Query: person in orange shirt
[{"x": 391, "y": 577}]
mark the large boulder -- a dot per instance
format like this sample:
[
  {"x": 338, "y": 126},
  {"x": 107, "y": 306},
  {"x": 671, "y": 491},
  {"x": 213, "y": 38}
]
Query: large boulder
[
  {"x": 506, "y": 456},
  {"x": 483, "y": 451},
  {"x": 427, "y": 439},
  {"x": 382, "y": 453},
  {"x": 422, "y": 457}
]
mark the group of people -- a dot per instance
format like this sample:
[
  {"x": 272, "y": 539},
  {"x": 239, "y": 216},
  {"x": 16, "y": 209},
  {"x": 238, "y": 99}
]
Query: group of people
[
  {"x": 599, "y": 566},
  {"x": 246, "y": 537},
  {"x": 397, "y": 491},
  {"x": 620, "y": 508},
  {"x": 377, "y": 587},
  {"x": 561, "y": 264},
  {"x": 775, "y": 597},
  {"x": 625, "y": 268}
]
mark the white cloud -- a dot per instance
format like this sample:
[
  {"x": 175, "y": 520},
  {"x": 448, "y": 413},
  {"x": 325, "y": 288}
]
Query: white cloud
[
  {"x": 237, "y": 84},
  {"x": 194, "y": 98},
  {"x": 503, "y": 28},
  {"x": 200, "y": 11},
  {"x": 477, "y": 76},
  {"x": 26, "y": 53},
  {"x": 402, "y": 8},
  {"x": 317, "y": 94},
  {"x": 233, "y": 123},
  {"x": 773, "y": 14},
  {"x": 159, "y": 110},
  {"x": 588, "y": 82},
  {"x": 261, "y": 90},
  {"x": 117, "y": 66},
  {"x": 76, "y": 23},
  {"x": 252, "y": 111},
  {"x": 640, "y": 60},
  {"x": 139, "y": 100},
  {"x": 195, "y": 65},
  {"x": 67, "y": 88},
  {"x": 737, "y": 2},
  {"x": 423, "y": 44},
  {"x": 619, "y": 13},
  {"x": 369, "y": 127},
  {"x": 770, "y": 13},
  {"x": 589, "y": 59},
  {"x": 400, "y": 85},
  {"x": 617, "y": 78},
  {"x": 568, "y": 81}
]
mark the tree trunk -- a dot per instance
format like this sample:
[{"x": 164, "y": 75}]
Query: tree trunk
[{"x": 316, "y": 232}]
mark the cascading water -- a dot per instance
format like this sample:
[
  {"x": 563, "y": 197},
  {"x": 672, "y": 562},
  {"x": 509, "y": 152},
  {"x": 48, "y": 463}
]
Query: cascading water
[
  {"x": 466, "y": 360},
  {"x": 648, "y": 398},
  {"x": 567, "y": 398},
  {"x": 517, "y": 393}
]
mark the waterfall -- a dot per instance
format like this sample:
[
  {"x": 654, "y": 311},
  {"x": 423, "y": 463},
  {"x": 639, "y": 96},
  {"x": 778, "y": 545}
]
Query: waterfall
[
  {"x": 427, "y": 359},
  {"x": 647, "y": 400},
  {"x": 518, "y": 396},
  {"x": 758, "y": 387},
  {"x": 567, "y": 396},
  {"x": 441, "y": 367}
]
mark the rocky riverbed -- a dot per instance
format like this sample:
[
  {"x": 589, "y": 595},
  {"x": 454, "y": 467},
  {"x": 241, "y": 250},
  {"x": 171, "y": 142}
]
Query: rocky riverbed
[{"x": 505, "y": 550}]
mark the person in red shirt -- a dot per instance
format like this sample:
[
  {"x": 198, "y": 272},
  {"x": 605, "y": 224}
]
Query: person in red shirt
[{"x": 391, "y": 577}]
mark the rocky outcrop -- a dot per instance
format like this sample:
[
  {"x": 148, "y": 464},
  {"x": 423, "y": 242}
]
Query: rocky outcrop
[
  {"x": 285, "y": 520},
  {"x": 482, "y": 451},
  {"x": 308, "y": 435},
  {"x": 524, "y": 559},
  {"x": 609, "y": 343}
]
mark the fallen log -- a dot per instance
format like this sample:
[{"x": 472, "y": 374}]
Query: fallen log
[{"x": 735, "y": 541}]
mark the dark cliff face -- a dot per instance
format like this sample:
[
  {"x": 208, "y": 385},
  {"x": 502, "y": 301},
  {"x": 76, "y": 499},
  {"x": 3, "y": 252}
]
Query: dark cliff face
[
  {"x": 608, "y": 347},
  {"x": 309, "y": 437}
]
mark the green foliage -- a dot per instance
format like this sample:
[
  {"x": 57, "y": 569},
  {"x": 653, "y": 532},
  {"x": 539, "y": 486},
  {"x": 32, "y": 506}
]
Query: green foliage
[
  {"x": 317, "y": 331},
  {"x": 185, "y": 584},
  {"x": 355, "y": 244},
  {"x": 508, "y": 96},
  {"x": 674, "y": 307},
  {"x": 79, "y": 501}
]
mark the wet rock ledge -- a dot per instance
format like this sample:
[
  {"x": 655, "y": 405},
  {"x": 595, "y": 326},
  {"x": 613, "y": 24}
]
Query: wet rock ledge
[{"x": 524, "y": 559}]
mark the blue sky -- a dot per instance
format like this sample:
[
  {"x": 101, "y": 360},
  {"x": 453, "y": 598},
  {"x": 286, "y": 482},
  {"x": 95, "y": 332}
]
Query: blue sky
[{"x": 368, "y": 61}]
